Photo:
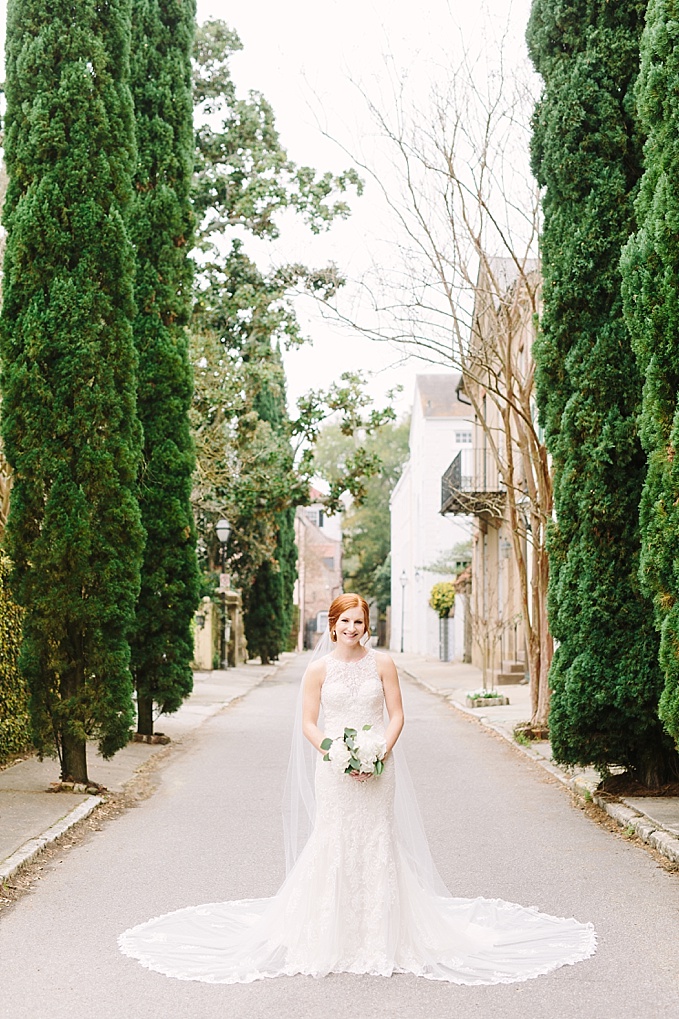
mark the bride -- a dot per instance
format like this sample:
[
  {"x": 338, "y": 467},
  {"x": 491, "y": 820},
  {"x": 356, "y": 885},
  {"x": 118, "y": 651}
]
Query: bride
[{"x": 362, "y": 894}]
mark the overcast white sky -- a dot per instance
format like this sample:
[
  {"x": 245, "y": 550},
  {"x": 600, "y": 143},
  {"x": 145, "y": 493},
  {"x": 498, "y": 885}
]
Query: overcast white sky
[{"x": 306, "y": 57}]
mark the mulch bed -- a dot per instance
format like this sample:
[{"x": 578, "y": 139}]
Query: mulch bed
[{"x": 626, "y": 785}]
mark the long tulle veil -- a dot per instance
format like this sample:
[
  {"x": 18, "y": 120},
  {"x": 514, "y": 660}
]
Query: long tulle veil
[{"x": 299, "y": 799}]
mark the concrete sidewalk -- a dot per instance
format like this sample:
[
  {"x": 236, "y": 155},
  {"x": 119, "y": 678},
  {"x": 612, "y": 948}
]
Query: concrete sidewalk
[
  {"x": 654, "y": 819},
  {"x": 31, "y": 816}
]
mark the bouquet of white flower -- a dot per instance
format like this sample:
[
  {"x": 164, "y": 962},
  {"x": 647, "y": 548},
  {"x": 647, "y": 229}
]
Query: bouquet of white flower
[{"x": 356, "y": 751}]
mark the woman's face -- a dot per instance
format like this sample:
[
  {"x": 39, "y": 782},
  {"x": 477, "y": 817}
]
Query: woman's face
[{"x": 350, "y": 627}]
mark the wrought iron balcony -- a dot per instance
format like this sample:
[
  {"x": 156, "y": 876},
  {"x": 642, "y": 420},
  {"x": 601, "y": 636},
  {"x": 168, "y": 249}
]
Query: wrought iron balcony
[{"x": 468, "y": 490}]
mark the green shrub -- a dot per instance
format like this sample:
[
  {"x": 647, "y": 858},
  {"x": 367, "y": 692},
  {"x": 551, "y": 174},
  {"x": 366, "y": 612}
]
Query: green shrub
[{"x": 14, "y": 719}]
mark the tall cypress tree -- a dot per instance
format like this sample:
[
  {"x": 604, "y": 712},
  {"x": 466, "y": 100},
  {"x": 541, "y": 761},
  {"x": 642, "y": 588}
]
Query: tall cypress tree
[
  {"x": 267, "y": 603},
  {"x": 162, "y": 229},
  {"x": 69, "y": 423},
  {"x": 286, "y": 556},
  {"x": 261, "y": 613},
  {"x": 587, "y": 157},
  {"x": 651, "y": 294}
]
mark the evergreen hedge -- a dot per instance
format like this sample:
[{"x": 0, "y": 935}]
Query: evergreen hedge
[
  {"x": 15, "y": 733},
  {"x": 650, "y": 267},
  {"x": 587, "y": 156}
]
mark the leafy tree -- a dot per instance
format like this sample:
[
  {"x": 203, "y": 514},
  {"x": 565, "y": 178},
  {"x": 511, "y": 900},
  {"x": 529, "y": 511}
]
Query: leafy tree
[
  {"x": 454, "y": 560},
  {"x": 366, "y": 524},
  {"x": 465, "y": 291},
  {"x": 267, "y": 601},
  {"x": 651, "y": 295},
  {"x": 254, "y": 464},
  {"x": 70, "y": 426},
  {"x": 244, "y": 467},
  {"x": 286, "y": 557},
  {"x": 587, "y": 157},
  {"x": 244, "y": 176},
  {"x": 162, "y": 229}
]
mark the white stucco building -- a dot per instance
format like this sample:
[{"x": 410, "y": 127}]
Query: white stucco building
[{"x": 441, "y": 426}]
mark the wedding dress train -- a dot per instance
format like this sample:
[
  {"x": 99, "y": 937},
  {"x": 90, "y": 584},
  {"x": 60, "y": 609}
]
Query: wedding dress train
[{"x": 353, "y": 903}]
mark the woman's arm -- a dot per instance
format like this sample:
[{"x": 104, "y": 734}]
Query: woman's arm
[
  {"x": 392, "y": 698},
  {"x": 311, "y": 704}
]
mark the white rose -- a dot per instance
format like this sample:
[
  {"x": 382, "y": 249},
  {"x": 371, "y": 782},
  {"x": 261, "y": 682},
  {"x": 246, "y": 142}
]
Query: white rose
[
  {"x": 371, "y": 748},
  {"x": 339, "y": 754}
]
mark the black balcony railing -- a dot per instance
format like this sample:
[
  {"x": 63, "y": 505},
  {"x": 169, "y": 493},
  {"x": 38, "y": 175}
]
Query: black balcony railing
[{"x": 471, "y": 492}]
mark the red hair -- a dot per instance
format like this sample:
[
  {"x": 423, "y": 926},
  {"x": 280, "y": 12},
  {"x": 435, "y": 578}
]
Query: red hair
[{"x": 341, "y": 604}]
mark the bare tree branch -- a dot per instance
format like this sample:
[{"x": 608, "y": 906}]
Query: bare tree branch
[{"x": 466, "y": 293}]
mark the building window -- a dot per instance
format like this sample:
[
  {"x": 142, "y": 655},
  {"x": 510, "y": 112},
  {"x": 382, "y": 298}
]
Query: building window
[
  {"x": 315, "y": 515},
  {"x": 463, "y": 438}
]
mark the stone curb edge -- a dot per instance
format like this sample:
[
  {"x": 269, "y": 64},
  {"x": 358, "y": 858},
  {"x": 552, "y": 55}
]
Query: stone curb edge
[
  {"x": 626, "y": 817},
  {"x": 28, "y": 852}
]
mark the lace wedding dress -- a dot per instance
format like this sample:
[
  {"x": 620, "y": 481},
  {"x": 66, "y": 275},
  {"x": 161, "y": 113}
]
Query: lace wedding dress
[{"x": 353, "y": 903}]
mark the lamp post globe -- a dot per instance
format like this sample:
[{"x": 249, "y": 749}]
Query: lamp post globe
[{"x": 223, "y": 530}]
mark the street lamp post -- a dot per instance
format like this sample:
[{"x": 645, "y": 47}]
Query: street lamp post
[
  {"x": 404, "y": 580},
  {"x": 223, "y": 530}
]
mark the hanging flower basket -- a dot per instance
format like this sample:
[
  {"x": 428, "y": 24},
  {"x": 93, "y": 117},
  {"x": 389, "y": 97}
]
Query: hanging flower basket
[{"x": 442, "y": 598}]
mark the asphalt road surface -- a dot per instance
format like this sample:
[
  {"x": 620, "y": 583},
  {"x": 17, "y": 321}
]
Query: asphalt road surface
[{"x": 498, "y": 826}]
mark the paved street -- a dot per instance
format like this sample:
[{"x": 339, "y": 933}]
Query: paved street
[{"x": 499, "y": 827}]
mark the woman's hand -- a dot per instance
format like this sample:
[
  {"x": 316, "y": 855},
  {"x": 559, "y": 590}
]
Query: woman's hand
[{"x": 361, "y": 776}]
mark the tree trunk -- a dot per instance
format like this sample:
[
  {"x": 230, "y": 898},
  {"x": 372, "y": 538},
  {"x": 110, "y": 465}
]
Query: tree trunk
[
  {"x": 540, "y": 705},
  {"x": 658, "y": 767},
  {"x": 73, "y": 754},
  {"x": 144, "y": 715},
  {"x": 533, "y": 653},
  {"x": 73, "y": 758}
]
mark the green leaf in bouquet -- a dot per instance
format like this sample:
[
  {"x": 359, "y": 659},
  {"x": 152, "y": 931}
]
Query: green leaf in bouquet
[
  {"x": 350, "y": 732},
  {"x": 366, "y": 727},
  {"x": 326, "y": 743},
  {"x": 326, "y": 757},
  {"x": 350, "y": 743},
  {"x": 379, "y": 767}
]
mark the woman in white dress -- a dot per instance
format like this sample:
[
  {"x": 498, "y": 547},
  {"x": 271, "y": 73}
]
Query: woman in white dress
[{"x": 362, "y": 894}]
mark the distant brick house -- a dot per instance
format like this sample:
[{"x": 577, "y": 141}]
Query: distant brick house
[{"x": 319, "y": 567}]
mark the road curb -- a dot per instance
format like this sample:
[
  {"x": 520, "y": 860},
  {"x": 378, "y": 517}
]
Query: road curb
[
  {"x": 28, "y": 852},
  {"x": 627, "y": 818}
]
